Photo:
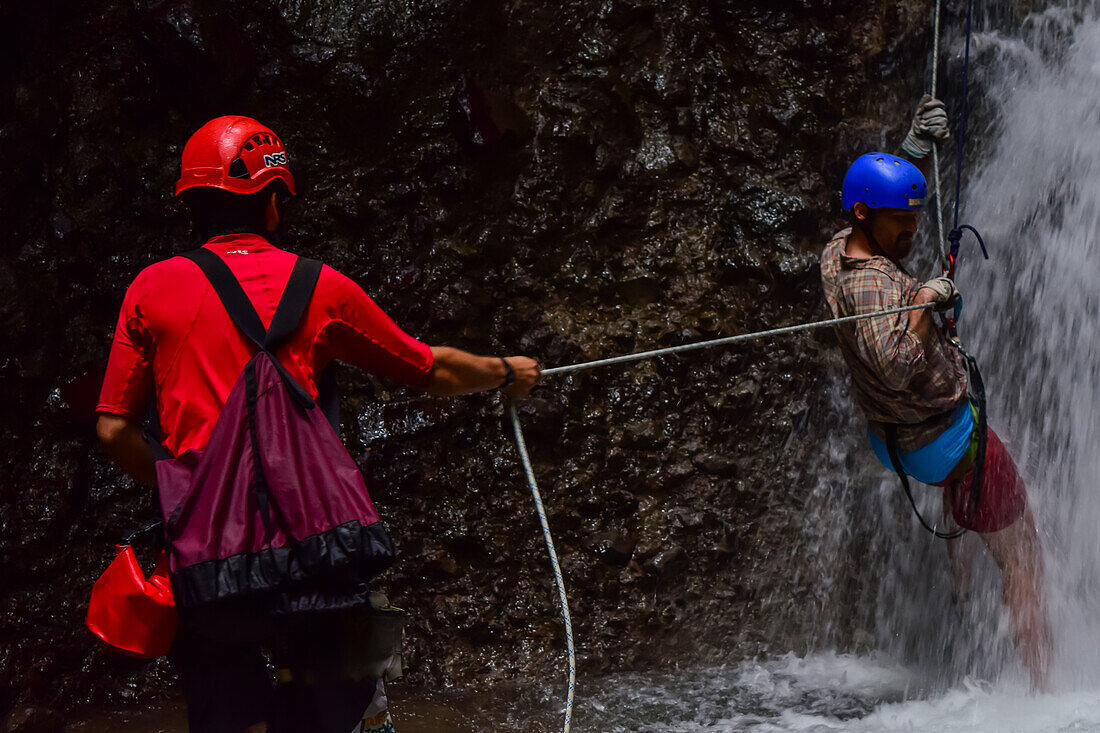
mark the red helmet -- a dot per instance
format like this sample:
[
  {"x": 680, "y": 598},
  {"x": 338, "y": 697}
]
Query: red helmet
[{"x": 236, "y": 154}]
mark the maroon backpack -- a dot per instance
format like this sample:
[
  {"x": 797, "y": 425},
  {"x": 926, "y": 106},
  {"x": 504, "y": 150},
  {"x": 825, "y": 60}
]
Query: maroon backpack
[{"x": 274, "y": 503}]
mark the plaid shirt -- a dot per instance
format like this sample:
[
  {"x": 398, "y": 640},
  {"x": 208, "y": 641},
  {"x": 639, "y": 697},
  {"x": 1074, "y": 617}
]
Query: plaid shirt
[{"x": 896, "y": 378}]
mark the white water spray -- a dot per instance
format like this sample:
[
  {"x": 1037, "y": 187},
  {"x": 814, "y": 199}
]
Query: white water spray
[
  {"x": 1032, "y": 317},
  {"x": 1035, "y": 308}
]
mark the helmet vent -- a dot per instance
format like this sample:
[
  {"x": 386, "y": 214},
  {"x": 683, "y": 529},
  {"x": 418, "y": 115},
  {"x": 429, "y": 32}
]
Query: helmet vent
[{"x": 237, "y": 169}]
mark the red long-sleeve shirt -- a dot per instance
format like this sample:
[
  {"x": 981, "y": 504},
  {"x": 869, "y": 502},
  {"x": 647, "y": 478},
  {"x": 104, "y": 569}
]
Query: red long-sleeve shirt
[{"x": 174, "y": 335}]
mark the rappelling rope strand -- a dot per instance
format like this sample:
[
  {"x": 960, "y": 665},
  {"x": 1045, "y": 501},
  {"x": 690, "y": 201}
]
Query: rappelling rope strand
[
  {"x": 962, "y": 117},
  {"x": 521, "y": 444},
  {"x": 974, "y": 376},
  {"x": 935, "y": 152},
  {"x": 935, "y": 47},
  {"x": 725, "y": 340},
  {"x": 955, "y": 237}
]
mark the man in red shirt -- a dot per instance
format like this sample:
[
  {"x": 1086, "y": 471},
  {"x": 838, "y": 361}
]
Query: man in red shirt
[{"x": 175, "y": 340}]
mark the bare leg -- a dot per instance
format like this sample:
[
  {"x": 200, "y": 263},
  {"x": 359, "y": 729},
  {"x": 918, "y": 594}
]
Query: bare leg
[
  {"x": 1018, "y": 553},
  {"x": 960, "y": 556},
  {"x": 257, "y": 728}
]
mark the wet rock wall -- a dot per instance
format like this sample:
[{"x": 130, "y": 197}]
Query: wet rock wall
[{"x": 568, "y": 180}]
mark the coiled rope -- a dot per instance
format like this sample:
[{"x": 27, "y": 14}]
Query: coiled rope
[{"x": 521, "y": 445}]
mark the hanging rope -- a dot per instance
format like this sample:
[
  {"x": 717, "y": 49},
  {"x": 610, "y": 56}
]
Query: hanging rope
[
  {"x": 955, "y": 237},
  {"x": 521, "y": 445},
  {"x": 940, "y": 241},
  {"x": 949, "y": 254},
  {"x": 961, "y": 136},
  {"x": 974, "y": 376}
]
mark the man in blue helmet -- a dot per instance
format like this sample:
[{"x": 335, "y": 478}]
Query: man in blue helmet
[{"x": 912, "y": 383}]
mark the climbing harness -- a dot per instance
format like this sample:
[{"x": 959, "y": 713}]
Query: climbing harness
[
  {"x": 895, "y": 461},
  {"x": 521, "y": 446}
]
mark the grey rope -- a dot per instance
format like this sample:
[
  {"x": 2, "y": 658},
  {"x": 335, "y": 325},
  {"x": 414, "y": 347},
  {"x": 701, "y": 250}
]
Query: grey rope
[
  {"x": 938, "y": 209},
  {"x": 725, "y": 340},
  {"x": 935, "y": 45},
  {"x": 521, "y": 445}
]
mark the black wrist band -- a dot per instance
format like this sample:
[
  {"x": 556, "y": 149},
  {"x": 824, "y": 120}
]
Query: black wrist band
[{"x": 509, "y": 374}]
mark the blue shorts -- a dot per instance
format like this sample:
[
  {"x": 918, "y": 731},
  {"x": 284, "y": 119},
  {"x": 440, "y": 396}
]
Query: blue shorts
[{"x": 931, "y": 464}]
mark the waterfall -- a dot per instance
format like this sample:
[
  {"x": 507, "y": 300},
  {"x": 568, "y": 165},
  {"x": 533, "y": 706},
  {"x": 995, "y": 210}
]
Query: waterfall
[
  {"x": 1036, "y": 307},
  {"x": 1032, "y": 317}
]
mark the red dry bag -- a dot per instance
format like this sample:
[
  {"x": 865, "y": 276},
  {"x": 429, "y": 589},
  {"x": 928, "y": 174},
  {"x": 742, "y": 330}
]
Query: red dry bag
[{"x": 130, "y": 612}]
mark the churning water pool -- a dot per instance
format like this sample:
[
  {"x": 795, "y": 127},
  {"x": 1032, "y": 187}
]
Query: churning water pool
[
  {"x": 825, "y": 693},
  {"x": 820, "y": 693}
]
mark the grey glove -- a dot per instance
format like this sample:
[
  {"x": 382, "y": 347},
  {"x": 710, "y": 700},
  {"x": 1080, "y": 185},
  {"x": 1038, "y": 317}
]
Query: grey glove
[
  {"x": 929, "y": 127},
  {"x": 947, "y": 295}
]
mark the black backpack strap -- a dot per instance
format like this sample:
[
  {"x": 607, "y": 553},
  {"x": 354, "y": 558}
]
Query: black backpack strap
[
  {"x": 231, "y": 293},
  {"x": 292, "y": 305},
  {"x": 892, "y": 448},
  {"x": 303, "y": 279}
]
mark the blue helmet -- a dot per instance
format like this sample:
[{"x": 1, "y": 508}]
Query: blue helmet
[{"x": 883, "y": 181}]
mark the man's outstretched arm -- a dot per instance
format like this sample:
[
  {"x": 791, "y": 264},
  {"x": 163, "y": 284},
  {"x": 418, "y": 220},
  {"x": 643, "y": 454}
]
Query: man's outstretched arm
[
  {"x": 125, "y": 444},
  {"x": 456, "y": 372}
]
